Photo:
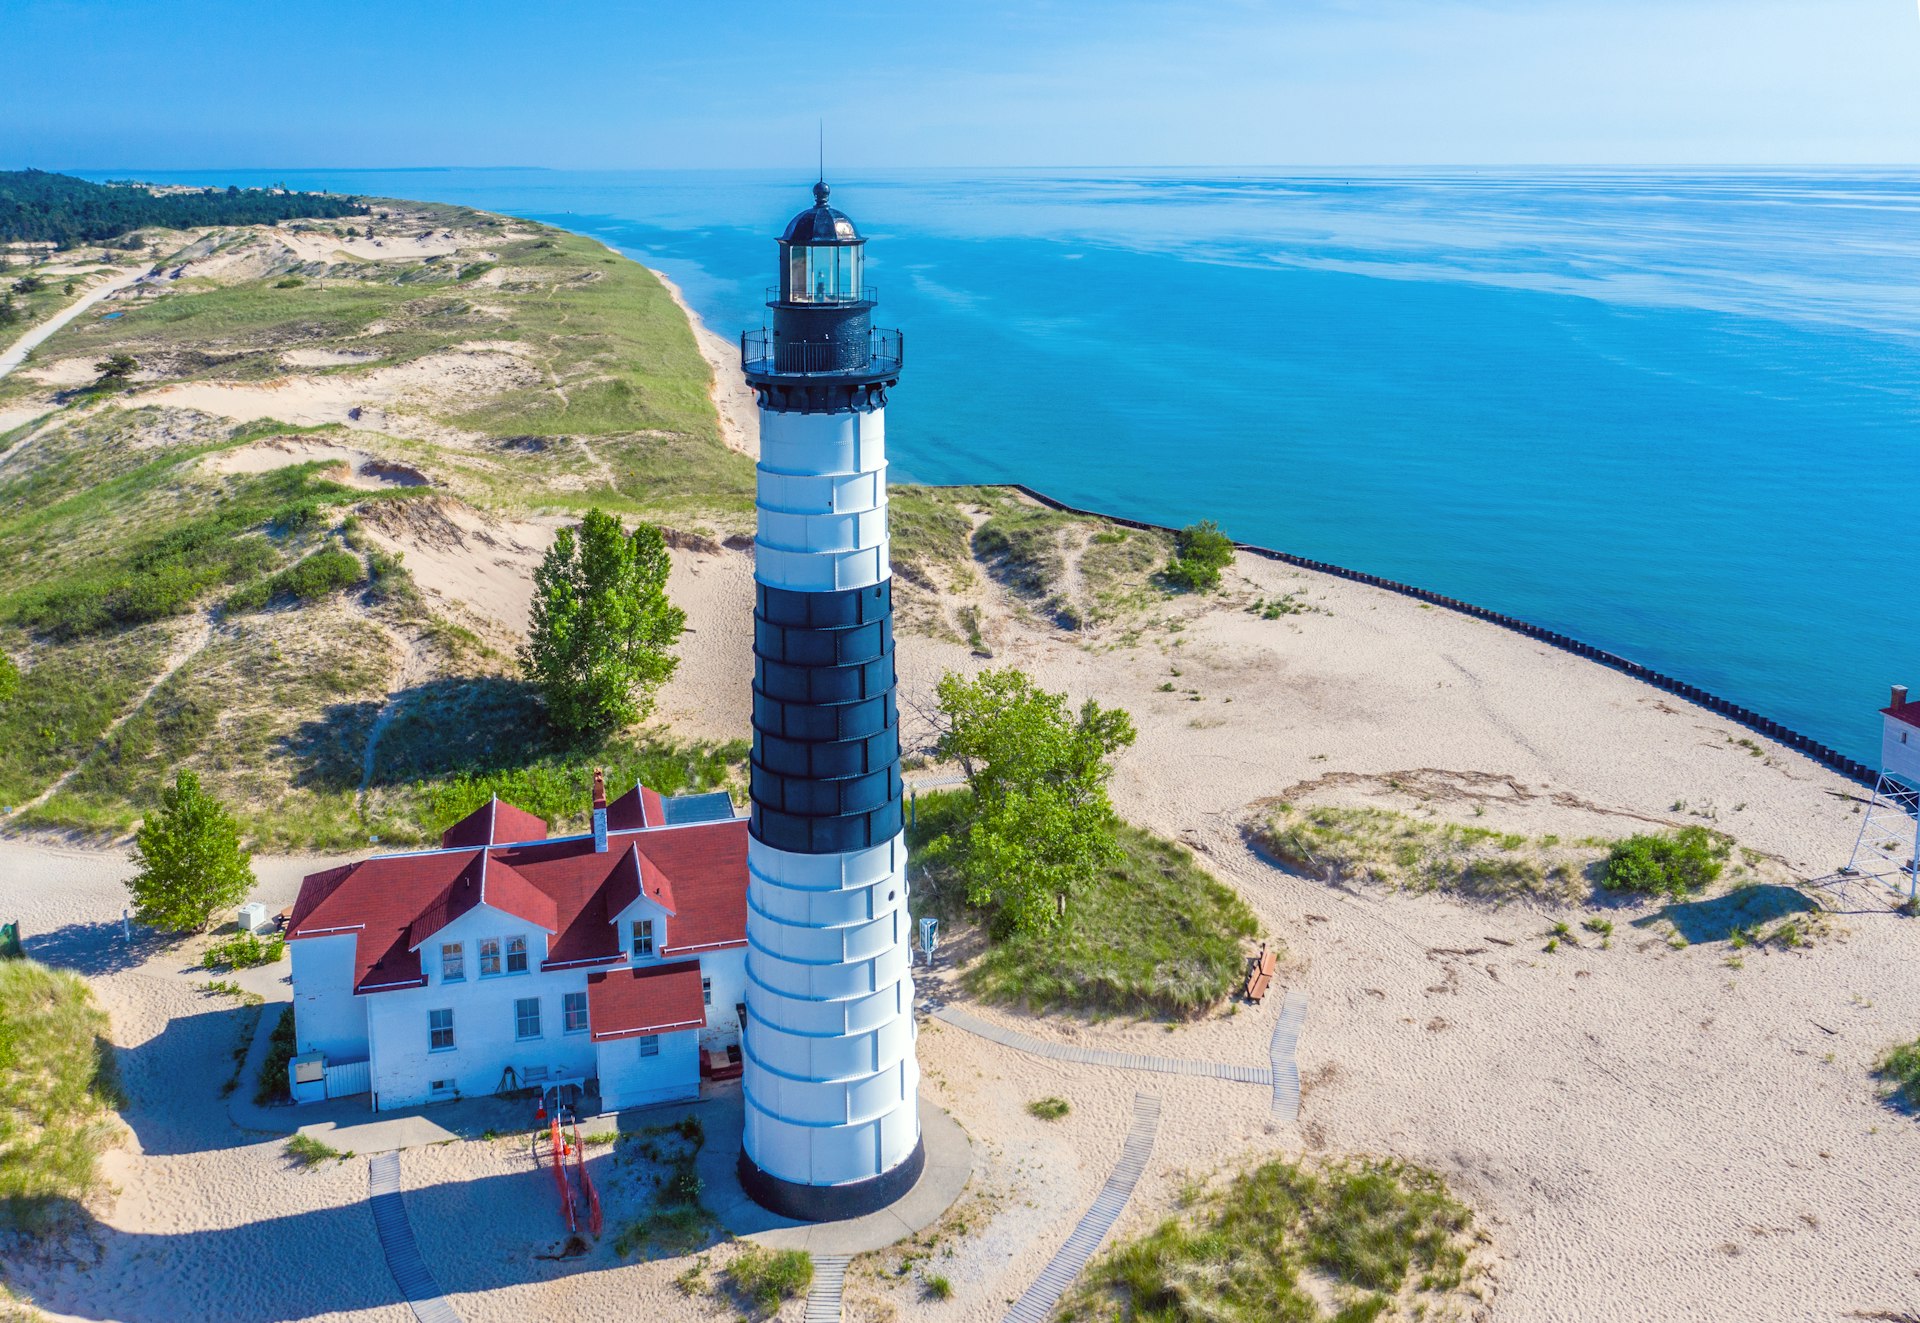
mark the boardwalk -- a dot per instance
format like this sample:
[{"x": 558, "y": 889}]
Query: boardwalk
[
  {"x": 829, "y": 1281},
  {"x": 1286, "y": 1072},
  {"x": 1036, "y": 1306},
  {"x": 410, "y": 1272}
]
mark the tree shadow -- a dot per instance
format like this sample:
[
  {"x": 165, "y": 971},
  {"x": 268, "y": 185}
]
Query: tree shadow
[
  {"x": 96, "y": 948},
  {"x": 425, "y": 732},
  {"x": 1715, "y": 919}
]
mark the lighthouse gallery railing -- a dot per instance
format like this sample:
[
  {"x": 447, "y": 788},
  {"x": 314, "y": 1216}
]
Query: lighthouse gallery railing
[{"x": 886, "y": 352}]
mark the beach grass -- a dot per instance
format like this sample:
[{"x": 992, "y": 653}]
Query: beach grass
[
  {"x": 1899, "y": 1071},
  {"x": 1156, "y": 934},
  {"x": 1394, "y": 849},
  {"x": 58, "y": 1087},
  {"x": 767, "y": 1278},
  {"x": 1292, "y": 1242}
]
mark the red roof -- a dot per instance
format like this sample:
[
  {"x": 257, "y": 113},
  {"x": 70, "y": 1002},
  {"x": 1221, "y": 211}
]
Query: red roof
[
  {"x": 639, "y": 807},
  {"x": 1909, "y": 713},
  {"x": 652, "y": 999},
  {"x": 494, "y": 823},
  {"x": 393, "y": 904}
]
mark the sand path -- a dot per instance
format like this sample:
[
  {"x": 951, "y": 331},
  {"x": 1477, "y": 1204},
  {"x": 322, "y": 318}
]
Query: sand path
[{"x": 15, "y": 355}]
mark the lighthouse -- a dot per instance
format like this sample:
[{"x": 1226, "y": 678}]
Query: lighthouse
[{"x": 832, "y": 1123}]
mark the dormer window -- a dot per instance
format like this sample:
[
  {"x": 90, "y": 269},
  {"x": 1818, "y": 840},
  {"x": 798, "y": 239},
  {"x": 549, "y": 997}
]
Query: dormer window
[
  {"x": 453, "y": 962},
  {"x": 643, "y": 939},
  {"x": 516, "y": 955},
  {"x": 489, "y": 956}
]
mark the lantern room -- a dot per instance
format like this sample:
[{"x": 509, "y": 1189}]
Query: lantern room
[{"x": 821, "y": 257}]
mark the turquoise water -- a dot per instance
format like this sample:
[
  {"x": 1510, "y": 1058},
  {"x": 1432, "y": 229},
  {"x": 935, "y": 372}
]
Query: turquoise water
[{"x": 1668, "y": 413}]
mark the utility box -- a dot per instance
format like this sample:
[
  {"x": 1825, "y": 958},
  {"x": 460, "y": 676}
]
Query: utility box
[
  {"x": 307, "y": 1077},
  {"x": 253, "y": 917}
]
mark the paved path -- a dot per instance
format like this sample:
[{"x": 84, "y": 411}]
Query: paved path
[
  {"x": 1036, "y": 1306},
  {"x": 1286, "y": 1072},
  {"x": 1088, "y": 1056},
  {"x": 15, "y": 355},
  {"x": 409, "y": 1270},
  {"x": 823, "y": 1297}
]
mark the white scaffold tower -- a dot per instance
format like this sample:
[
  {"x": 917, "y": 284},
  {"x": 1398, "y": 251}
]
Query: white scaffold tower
[{"x": 1886, "y": 855}]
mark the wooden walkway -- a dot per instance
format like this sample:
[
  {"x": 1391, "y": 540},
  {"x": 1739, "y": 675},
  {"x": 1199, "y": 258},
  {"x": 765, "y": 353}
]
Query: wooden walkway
[
  {"x": 410, "y": 1272},
  {"x": 829, "y": 1281},
  {"x": 1088, "y": 1056},
  {"x": 1286, "y": 1072},
  {"x": 1036, "y": 1306}
]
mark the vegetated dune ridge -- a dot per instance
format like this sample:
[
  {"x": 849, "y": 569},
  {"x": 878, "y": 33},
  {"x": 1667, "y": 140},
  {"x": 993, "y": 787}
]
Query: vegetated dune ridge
[{"x": 1646, "y": 1131}]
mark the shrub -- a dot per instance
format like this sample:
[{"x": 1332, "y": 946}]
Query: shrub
[
  {"x": 272, "y": 1085},
  {"x": 244, "y": 951},
  {"x": 57, "y": 1084},
  {"x": 1673, "y": 864},
  {"x": 325, "y": 571},
  {"x": 1200, "y": 552},
  {"x": 1049, "y": 1109},
  {"x": 768, "y": 1277},
  {"x": 1900, "y": 1069}
]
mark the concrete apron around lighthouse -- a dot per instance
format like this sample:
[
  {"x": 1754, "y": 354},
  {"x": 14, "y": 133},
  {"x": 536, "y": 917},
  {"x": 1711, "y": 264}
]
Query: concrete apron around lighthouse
[{"x": 831, "y": 1125}]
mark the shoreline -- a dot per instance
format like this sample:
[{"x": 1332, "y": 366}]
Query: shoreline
[{"x": 729, "y": 384}]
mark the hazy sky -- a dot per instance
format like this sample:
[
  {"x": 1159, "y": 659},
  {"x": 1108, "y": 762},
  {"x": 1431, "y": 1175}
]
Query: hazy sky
[{"x": 207, "y": 83}]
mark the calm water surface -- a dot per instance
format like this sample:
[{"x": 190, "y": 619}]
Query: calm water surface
[{"x": 1669, "y": 413}]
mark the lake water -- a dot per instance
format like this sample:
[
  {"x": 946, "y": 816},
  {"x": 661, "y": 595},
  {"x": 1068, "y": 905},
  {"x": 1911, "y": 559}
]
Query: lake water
[{"x": 1666, "y": 412}]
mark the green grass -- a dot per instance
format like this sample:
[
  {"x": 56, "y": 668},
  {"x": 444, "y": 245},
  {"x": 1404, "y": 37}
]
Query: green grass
[
  {"x": 1049, "y": 1109},
  {"x": 57, "y": 1088},
  {"x": 1399, "y": 850},
  {"x": 1385, "y": 1236},
  {"x": 676, "y": 1222},
  {"x": 306, "y": 1151},
  {"x": 68, "y": 696},
  {"x": 1155, "y": 935},
  {"x": 272, "y": 1085},
  {"x": 767, "y": 1277},
  {"x": 1899, "y": 1069}
]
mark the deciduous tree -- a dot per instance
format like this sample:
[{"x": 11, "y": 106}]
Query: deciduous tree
[
  {"x": 1041, "y": 823},
  {"x": 603, "y": 628},
  {"x": 1200, "y": 552},
  {"x": 190, "y": 860}
]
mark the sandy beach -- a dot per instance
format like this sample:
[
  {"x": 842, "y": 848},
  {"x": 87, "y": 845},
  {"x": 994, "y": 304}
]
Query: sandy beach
[{"x": 1649, "y": 1131}]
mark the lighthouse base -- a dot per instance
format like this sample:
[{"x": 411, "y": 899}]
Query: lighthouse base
[{"x": 831, "y": 1203}]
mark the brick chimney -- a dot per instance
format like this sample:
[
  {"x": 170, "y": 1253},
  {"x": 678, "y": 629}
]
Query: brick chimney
[
  {"x": 599, "y": 811},
  {"x": 1899, "y": 696}
]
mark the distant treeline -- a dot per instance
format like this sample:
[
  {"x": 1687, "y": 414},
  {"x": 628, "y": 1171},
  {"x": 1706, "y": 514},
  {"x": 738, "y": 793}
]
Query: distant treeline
[{"x": 38, "y": 206}]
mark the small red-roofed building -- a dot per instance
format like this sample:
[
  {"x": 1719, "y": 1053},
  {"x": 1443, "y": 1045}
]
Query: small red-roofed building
[{"x": 508, "y": 958}]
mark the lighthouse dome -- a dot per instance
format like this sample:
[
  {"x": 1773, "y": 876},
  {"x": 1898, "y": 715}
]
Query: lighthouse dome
[{"x": 820, "y": 224}]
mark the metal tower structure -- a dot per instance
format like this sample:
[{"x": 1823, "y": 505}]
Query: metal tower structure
[
  {"x": 1888, "y": 847},
  {"x": 831, "y": 1083}
]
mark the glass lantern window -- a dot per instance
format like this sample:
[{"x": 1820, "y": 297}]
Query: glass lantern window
[{"x": 825, "y": 273}]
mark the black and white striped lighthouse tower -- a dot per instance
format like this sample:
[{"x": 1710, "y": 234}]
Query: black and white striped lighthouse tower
[{"x": 831, "y": 1084}]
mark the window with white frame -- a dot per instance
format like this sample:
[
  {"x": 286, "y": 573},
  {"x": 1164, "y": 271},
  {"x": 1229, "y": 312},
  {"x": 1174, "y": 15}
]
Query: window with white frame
[
  {"x": 453, "y": 962},
  {"x": 526, "y": 1018},
  {"x": 489, "y": 956},
  {"x": 650, "y": 1045},
  {"x": 643, "y": 939},
  {"x": 440, "y": 1030},
  {"x": 573, "y": 1011},
  {"x": 706, "y": 992},
  {"x": 441, "y": 1087},
  {"x": 516, "y": 955}
]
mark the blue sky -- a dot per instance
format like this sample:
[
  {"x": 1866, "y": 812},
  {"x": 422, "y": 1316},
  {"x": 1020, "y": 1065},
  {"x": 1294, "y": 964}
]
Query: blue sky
[{"x": 208, "y": 83}]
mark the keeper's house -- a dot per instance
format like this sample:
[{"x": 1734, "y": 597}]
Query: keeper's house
[{"x": 506, "y": 959}]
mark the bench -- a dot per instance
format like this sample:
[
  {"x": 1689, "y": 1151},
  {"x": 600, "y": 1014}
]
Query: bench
[{"x": 1260, "y": 972}]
